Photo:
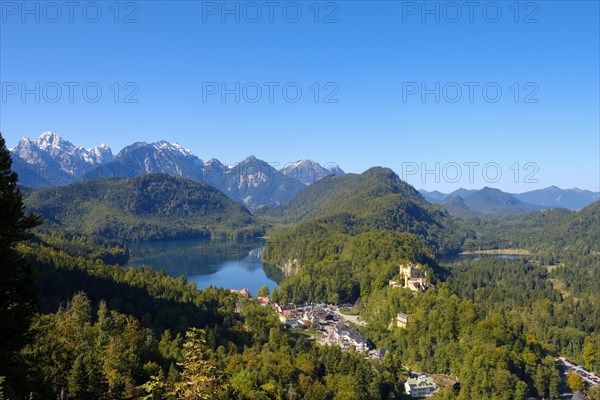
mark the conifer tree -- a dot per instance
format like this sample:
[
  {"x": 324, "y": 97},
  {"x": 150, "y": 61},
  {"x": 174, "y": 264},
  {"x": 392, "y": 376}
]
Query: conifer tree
[
  {"x": 18, "y": 297},
  {"x": 200, "y": 377},
  {"x": 78, "y": 382}
]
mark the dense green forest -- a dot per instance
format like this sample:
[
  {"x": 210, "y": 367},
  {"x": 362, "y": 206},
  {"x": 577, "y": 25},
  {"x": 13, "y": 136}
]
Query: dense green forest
[
  {"x": 77, "y": 325},
  {"x": 494, "y": 324},
  {"x": 337, "y": 268},
  {"x": 100, "y": 331},
  {"x": 110, "y": 251},
  {"x": 155, "y": 206},
  {"x": 487, "y": 351},
  {"x": 110, "y": 332}
]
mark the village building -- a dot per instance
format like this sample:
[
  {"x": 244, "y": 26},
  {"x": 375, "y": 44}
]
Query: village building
[
  {"x": 350, "y": 337},
  {"x": 263, "y": 300},
  {"x": 443, "y": 381},
  {"x": 422, "y": 386},
  {"x": 413, "y": 278},
  {"x": 244, "y": 292},
  {"x": 377, "y": 353},
  {"x": 287, "y": 316},
  {"x": 310, "y": 318},
  {"x": 400, "y": 321}
]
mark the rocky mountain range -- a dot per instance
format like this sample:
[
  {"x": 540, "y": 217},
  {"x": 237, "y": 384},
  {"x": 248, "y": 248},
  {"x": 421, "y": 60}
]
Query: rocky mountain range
[{"x": 51, "y": 160}]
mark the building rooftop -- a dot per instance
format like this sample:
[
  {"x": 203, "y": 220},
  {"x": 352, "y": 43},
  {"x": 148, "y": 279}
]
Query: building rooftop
[
  {"x": 424, "y": 382},
  {"x": 244, "y": 292},
  {"x": 351, "y": 333}
]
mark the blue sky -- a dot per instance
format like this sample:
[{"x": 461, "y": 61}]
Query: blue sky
[{"x": 409, "y": 85}]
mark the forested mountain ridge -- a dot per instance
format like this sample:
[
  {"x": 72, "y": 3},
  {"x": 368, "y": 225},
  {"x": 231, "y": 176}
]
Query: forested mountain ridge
[
  {"x": 154, "y": 206},
  {"x": 495, "y": 325},
  {"x": 552, "y": 231},
  {"x": 377, "y": 199},
  {"x": 347, "y": 235},
  {"x": 337, "y": 194},
  {"x": 324, "y": 265},
  {"x": 582, "y": 226}
]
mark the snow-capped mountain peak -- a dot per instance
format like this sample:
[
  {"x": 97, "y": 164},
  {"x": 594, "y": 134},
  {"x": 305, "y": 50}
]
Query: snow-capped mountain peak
[
  {"x": 308, "y": 171},
  {"x": 182, "y": 150},
  {"x": 252, "y": 181},
  {"x": 172, "y": 147},
  {"x": 24, "y": 142},
  {"x": 57, "y": 161},
  {"x": 50, "y": 140}
]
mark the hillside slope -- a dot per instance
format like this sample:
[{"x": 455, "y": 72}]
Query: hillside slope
[
  {"x": 152, "y": 206},
  {"x": 487, "y": 202},
  {"x": 374, "y": 200}
]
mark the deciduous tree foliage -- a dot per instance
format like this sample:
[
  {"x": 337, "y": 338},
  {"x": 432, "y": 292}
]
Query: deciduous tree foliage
[
  {"x": 200, "y": 378},
  {"x": 575, "y": 381},
  {"x": 88, "y": 348},
  {"x": 328, "y": 266}
]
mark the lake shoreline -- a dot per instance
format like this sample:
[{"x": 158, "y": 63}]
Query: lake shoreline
[{"x": 228, "y": 264}]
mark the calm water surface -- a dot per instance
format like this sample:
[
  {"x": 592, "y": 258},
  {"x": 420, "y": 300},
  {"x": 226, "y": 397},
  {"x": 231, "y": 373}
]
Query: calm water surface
[{"x": 227, "y": 264}]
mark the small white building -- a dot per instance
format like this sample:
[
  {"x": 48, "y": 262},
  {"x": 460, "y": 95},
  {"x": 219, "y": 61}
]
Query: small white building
[
  {"x": 401, "y": 320},
  {"x": 350, "y": 336},
  {"x": 420, "y": 387},
  {"x": 310, "y": 318}
]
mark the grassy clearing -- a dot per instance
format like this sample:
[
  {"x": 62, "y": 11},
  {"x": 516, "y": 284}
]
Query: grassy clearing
[
  {"x": 559, "y": 286},
  {"x": 520, "y": 252}
]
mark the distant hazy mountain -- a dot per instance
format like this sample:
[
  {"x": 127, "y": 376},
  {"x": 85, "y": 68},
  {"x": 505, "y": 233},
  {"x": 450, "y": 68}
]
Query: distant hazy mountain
[
  {"x": 308, "y": 172},
  {"x": 553, "y": 196},
  {"x": 456, "y": 206},
  {"x": 50, "y": 160},
  {"x": 254, "y": 182},
  {"x": 462, "y": 192},
  {"x": 573, "y": 199},
  {"x": 53, "y": 161},
  {"x": 434, "y": 197},
  {"x": 487, "y": 202}
]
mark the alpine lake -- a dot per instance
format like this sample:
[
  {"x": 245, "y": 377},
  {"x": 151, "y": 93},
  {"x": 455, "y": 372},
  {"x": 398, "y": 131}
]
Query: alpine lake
[{"x": 218, "y": 263}]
